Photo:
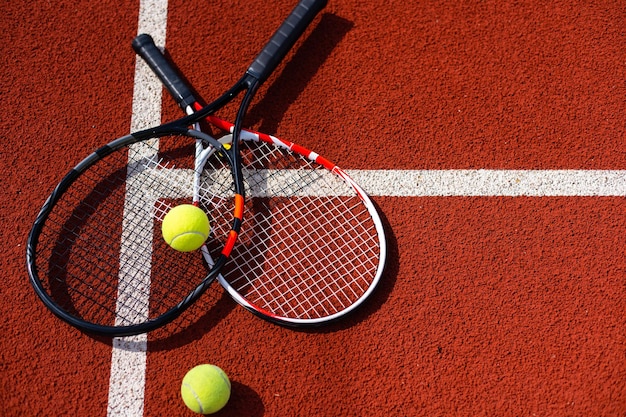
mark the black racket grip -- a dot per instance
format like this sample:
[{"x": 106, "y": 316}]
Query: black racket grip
[
  {"x": 284, "y": 38},
  {"x": 144, "y": 47}
]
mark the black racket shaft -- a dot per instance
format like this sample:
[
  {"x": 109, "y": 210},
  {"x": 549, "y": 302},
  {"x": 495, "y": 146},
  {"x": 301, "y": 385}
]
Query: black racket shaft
[{"x": 263, "y": 65}]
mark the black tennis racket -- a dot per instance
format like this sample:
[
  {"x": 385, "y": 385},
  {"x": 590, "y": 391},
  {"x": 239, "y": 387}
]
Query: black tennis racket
[
  {"x": 94, "y": 254},
  {"x": 312, "y": 247}
]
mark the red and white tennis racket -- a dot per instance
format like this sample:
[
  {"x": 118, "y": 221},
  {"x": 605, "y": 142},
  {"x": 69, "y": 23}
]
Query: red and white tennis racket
[{"x": 312, "y": 247}]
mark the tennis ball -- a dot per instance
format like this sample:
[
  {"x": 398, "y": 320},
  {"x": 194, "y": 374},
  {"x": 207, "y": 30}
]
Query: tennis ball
[
  {"x": 185, "y": 227},
  {"x": 227, "y": 146},
  {"x": 205, "y": 389}
]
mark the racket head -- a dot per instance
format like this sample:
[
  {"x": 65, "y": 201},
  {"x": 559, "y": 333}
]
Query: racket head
[
  {"x": 95, "y": 253},
  {"x": 313, "y": 246}
]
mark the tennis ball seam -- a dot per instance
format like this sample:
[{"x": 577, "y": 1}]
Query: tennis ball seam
[
  {"x": 224, "y": 378},
  {"x": 191, "y": 232},
  {"x": 195, "y": 395}
]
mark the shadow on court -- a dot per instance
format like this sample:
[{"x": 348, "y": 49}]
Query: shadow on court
[{"x": 298, "y": 72}]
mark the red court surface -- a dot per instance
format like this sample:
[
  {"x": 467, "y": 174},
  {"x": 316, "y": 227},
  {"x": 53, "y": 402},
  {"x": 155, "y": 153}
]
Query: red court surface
[{"x": 490, "y": 305}]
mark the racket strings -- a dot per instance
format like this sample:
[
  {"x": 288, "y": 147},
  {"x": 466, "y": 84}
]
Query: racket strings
[
  {"x": 302, "y": 276},
  {"x": 100, "y": 255},
  {"x": 271, "y": 171},
  {"x": 309, "y": 265},
  {"x": 67, "y": 243},
  {"x": 309, "y": 247}
]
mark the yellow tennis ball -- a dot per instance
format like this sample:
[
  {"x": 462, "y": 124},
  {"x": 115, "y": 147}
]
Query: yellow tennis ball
[
  {"x": 205, "y": 389},
  {"x": 185, "y": 227}
]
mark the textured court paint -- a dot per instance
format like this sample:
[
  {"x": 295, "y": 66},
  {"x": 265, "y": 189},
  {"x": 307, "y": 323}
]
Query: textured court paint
[
  {"x": 57, "y": 57},
  {"x": 491, "y": 305},
  {"x": 421, "y": 348}
]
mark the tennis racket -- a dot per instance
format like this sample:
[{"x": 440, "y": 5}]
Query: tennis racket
[
  {"x": 95, "y": 255},
  {"x": 312, "y": 247}
]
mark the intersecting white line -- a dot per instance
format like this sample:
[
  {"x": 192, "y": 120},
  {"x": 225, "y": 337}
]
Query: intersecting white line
[{"x": 127, "y": 380}]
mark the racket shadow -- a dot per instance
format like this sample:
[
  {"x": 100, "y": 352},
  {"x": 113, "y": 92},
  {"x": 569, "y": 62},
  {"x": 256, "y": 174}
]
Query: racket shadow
[
  {"x": 298, "y": 72},
  {"x": 215, "y": 305},
  {"x": 193, "y": 324},
  {"x": 205, "y": 314}
]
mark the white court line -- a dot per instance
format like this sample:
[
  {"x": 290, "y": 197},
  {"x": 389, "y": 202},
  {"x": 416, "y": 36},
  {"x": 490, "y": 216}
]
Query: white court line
[
  {"x": 444, "y": 183},
  {"x": 128, "y": 361},
  {"x": 491, "y": 183},
  {"x": 128, "y": 358}
]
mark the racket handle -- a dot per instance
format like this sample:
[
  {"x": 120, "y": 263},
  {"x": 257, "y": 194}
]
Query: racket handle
[
  {"x": 144, "y": 47},
  {"x": 284, "y": 38}
]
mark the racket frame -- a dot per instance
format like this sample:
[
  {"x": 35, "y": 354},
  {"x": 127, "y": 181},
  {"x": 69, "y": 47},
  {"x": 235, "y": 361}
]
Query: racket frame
[
  {"x": 145, "y": 47},
  {"x": 260, "y": 69}
]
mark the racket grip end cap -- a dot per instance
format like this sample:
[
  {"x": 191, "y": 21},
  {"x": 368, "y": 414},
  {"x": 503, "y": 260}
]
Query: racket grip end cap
[{"x": 144, "y": 46}]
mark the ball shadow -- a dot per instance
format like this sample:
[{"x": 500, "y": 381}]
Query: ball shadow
[{"x": 244, "y": 401}]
